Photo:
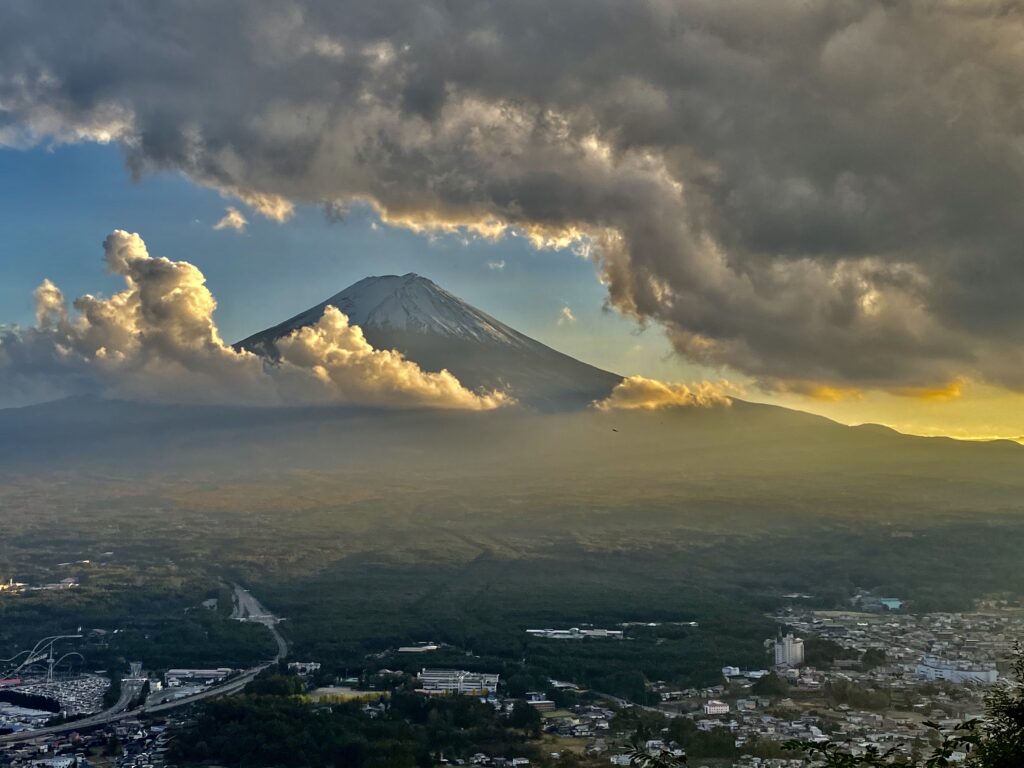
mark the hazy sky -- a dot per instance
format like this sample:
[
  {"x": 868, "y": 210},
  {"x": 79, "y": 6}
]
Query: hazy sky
[{"x": 819, "y": 201}]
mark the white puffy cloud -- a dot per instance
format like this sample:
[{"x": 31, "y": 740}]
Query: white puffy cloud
[
  {"x": 340, "y": 358},
  {"x": 566, "y": 317},
  {"x": 232, "y": 219},
  {"x": 156, "y": 340},
  {"x": 640, "y": 393}
]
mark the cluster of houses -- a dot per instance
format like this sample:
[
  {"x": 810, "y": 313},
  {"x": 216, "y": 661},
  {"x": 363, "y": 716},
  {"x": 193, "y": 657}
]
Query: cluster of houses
[
  {"x": 127, "y": 744},
  {"x": 929, "y": 668},
  {"x": 488, "y": 761},
  {"x": 856, "y": 728},
  {"x": 583, "y": 722},
  {"x": 18, "y": 718},
  {"x": 959, "y": 648},
  {"x": 925, "y": 668}
]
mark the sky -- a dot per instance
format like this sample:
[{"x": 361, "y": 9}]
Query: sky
[
  {"x": 271, "y": 271},
  {"x": 817, "y": 202}
]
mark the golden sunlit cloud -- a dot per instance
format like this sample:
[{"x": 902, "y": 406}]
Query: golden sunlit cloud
[
  {"x": 269, "y": 206},
  {"x": 951, "y": 391},
  {"x": 641, "y": 393},
  {"x": 233, "y": 219},
  {"x": 816, "y": 391}
]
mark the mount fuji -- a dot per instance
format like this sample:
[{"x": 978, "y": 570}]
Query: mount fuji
[{"x": 437, "y": 330}]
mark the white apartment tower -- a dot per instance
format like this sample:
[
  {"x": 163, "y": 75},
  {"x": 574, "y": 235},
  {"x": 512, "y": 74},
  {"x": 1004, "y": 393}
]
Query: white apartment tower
[{"x": 789, "y": 651}]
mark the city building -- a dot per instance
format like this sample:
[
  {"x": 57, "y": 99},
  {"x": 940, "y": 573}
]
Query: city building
[
  {"x": 715, "y": 707},
  {"x": 539, "y": 701},
  {"x": 457, "y": 681},
  {"x": 935, "y": 668},
  {"x": 788, "y": 651},
  {"x": 576, "y": 633},
  {"x": 175, "y": 677}
]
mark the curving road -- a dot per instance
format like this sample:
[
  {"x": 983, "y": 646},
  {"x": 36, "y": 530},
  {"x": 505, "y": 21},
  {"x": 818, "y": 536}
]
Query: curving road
[
  {"x": 248, "y": 608},
  {"x": 251, "y": 610}
]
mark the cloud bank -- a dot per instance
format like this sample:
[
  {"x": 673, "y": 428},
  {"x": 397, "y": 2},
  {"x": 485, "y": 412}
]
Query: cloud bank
[
  {"x": 637, "y": 393},
  {"x": 157, "y": 341},
  {"x": 816, "y": 193}
]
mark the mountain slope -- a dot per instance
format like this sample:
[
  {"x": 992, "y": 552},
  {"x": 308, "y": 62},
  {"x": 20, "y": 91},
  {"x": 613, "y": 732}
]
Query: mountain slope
[
  {"x": 438, "y": 330},
  {"x": 750, "y": 457}
]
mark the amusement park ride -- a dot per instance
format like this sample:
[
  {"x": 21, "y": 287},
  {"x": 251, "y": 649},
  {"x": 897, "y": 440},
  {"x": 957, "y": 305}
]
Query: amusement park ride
[{"x": 42, "y": 656}]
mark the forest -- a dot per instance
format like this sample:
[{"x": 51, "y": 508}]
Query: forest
[
  {"x": 271, "y": 727},
  {"x": 350, "y": 613}
]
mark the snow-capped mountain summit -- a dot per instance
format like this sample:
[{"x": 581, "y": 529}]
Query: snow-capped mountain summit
[
  {"x": 438, "y": 330},
  {"x": 407, "y": 303}
]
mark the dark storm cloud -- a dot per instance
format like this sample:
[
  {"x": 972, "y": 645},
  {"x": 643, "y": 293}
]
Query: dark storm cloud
[{"x": 823, "y": 192}]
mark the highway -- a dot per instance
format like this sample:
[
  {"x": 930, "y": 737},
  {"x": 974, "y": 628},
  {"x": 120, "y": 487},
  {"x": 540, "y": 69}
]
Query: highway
[
  {"x": 228, "y": 687},
  {"x": 247, "y": 607}
]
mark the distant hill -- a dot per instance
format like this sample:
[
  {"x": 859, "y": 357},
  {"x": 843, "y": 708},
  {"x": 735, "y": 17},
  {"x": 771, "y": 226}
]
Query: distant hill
[
  {"x": 440, "y": 331},
  {"x": 745, "y": 455}
]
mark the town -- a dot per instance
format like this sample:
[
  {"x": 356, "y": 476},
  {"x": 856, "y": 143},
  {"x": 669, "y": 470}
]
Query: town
[{"x": 891, "y": 672}]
